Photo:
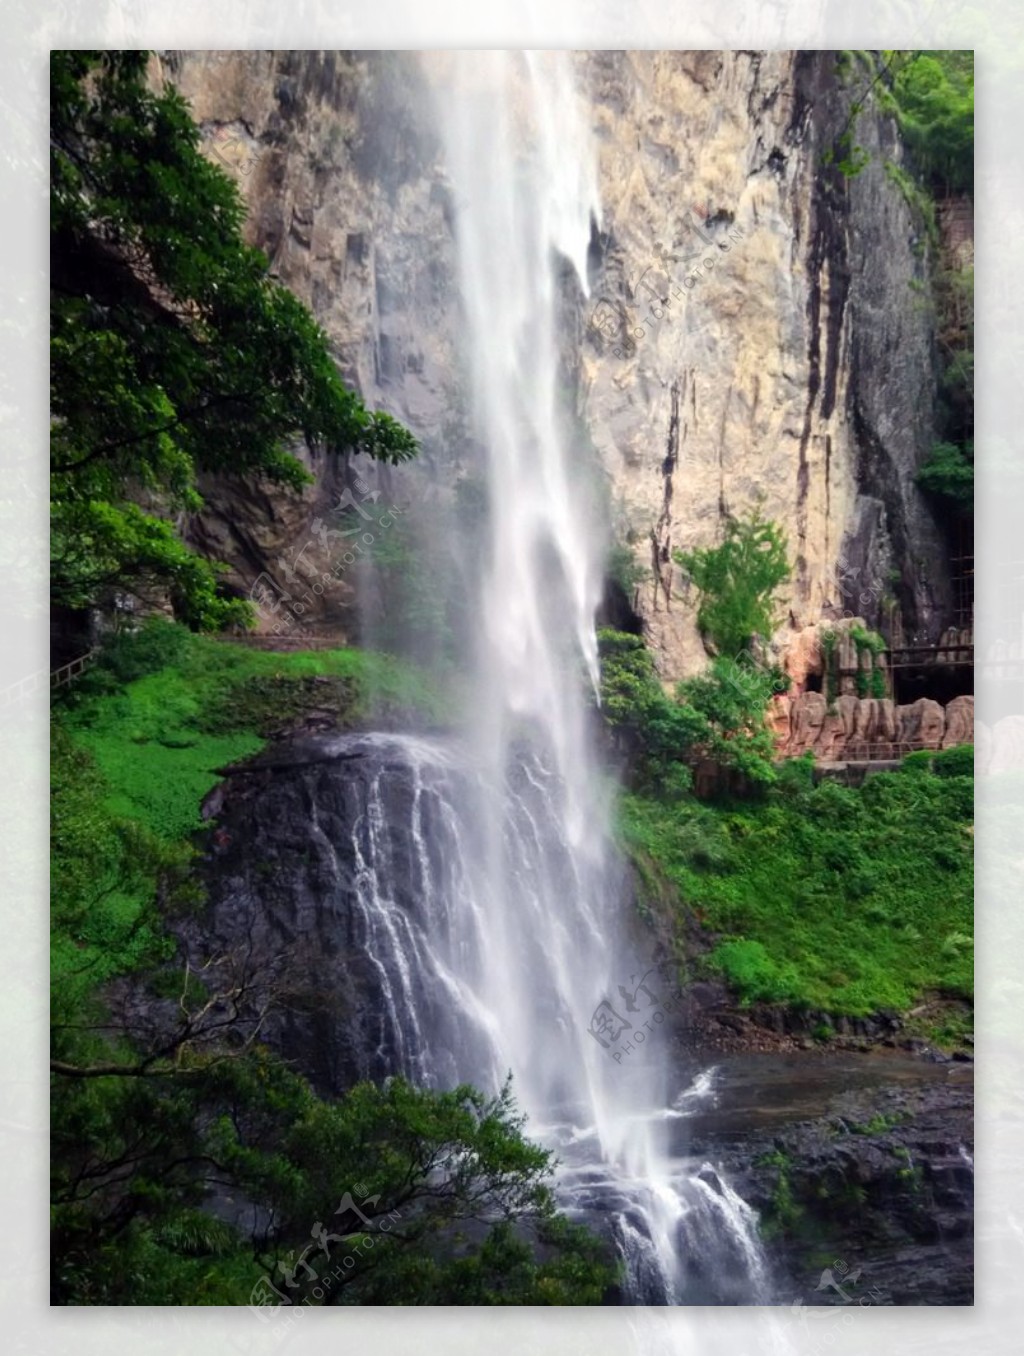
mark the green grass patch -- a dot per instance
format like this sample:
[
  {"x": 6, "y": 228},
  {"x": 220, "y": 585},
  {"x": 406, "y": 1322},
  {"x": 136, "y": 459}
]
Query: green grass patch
[
  {"x": 879, "y": 1124},
  {"x": 165, "y": 709},
  {"x": 851, "y": 900},
  {"x": 136, "y": 746}
]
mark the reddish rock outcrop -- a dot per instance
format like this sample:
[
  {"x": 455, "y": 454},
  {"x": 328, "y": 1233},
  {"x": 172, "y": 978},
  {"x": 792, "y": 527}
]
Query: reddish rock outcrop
[
  {"x": 959, "y": 722},
  {"x": 863, "y": 728},
  {"x": 921, "y": 724}
]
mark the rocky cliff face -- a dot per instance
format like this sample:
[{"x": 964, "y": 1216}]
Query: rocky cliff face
[{"x": 752, "y": 335}]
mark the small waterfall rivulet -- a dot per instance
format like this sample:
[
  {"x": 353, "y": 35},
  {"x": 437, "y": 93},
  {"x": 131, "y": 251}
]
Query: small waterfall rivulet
[{"x": 487, "y": 900}]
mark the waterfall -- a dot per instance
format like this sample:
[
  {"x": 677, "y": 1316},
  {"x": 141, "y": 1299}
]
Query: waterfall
[
  {"x": 524, "y": 852},
  {"x": 470, "y": 966},
  {"x": 482, "y": 890}
]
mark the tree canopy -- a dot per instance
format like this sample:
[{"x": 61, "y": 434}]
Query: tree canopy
[
  {"x": 934, "y": 93},
  {"x": 173, "y": 351}
]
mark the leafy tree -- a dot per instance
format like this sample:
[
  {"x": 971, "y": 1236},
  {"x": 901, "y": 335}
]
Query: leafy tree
[
  {"x": 948, "y": 471},
  {"x": 718, "y": 716},
  {"x": 472, "y": 1218},
  {"x": 654, "y": 733},
  {"x": 934, "y": 93},
  {"x": 731, "y": 699},
  {"x": 173, "y": 352},
  {"x": 737, "y": 581},
  {"x": 440, "y": 1162},
  {"x": 932, "y": 97}
]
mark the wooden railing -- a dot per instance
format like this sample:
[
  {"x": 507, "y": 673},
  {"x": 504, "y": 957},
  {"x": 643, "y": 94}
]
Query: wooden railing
[
  {"x": 914, "y": 656},
  {"x": 67, "y": 672},
  {"x": 59, "y": 678},
  {"x": 881, "y": 751}
]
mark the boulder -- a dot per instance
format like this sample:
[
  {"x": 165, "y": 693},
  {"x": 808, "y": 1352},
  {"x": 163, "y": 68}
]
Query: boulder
[
  {"x": 807, "y": 716},
  {"x": 921, "y": 723},
  {"x": 959, "y": 722}
]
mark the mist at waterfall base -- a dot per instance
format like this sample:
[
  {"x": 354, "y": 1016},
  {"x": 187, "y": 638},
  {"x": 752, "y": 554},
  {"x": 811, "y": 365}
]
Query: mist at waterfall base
[{"x": 482, "y": 891}]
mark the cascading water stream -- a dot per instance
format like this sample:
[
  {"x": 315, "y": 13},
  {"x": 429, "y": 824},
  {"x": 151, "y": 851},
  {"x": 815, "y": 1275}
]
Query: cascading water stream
[
  {"x": 486, "y": 897},
  {"x": 476, "y": 973},
  {"x": 522, "y": 168}
]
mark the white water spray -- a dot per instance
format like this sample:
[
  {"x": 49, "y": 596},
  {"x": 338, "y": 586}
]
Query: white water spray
[
  {"x": 522, "y": 166},
  {"x": 488, "y": 898}
]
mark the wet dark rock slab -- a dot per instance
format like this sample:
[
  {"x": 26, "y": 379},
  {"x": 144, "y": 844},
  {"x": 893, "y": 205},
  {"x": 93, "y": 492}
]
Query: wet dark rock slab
[{"x": 856, "y": 1164}]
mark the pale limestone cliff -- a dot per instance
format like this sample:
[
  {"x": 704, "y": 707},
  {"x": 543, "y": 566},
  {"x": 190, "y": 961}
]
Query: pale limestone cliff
[{"x": 796, "y": 371}]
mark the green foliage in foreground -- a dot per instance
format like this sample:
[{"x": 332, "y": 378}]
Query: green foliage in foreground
[
  {"x": 173, "y": 352},
  {"x": 154, "y": 1108},
  {"x": 849, "y": 900},
  {"x": 453, "y": 1202}
]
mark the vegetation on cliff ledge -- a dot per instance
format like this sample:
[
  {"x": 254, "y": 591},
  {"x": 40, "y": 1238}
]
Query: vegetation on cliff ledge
[
  {"x": 847, "y": 899},
  {"x": 852, "y": 900}
]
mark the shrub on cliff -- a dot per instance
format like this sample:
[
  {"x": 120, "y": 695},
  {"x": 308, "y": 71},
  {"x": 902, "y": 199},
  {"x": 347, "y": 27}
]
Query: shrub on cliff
[
  {"x": 716, "y": 717},
  {"x": 737, "y": 582},
  {"x": 934, "y": 93}
]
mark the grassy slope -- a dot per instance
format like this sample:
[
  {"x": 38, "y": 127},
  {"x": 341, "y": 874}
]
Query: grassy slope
[
  {"x": 133, "y": 757},
  {"x": 158, "y": 741},
  {"x": 849, "y": 900}
]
